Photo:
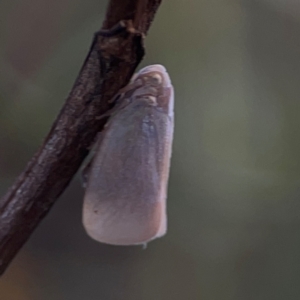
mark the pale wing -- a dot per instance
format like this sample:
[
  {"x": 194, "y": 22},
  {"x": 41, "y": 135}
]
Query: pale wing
[{"x": 125, "y": 200}]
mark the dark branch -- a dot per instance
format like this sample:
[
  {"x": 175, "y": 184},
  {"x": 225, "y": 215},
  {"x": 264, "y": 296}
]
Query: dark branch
[{"x": 112, "y": 60}]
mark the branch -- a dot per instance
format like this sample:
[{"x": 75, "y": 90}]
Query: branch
[{"x": 116, "y": 51}]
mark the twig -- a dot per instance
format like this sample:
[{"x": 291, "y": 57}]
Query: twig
[{"x": 116, "y": 51}]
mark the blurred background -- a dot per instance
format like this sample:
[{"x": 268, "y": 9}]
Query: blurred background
[{"x": 233, "y": 204}]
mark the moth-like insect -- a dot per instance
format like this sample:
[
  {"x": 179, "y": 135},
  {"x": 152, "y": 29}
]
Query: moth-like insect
[{"x": 126, "y": 191}]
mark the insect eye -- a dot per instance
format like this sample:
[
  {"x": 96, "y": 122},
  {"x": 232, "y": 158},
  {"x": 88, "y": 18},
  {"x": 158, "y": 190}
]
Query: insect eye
[
  {"x": 156, "y": 79},
  {"x": 153, "y": 79}
]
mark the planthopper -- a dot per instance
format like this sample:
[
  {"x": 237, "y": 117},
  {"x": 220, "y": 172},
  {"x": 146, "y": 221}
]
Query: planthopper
[{"x": 127, "y": 179}]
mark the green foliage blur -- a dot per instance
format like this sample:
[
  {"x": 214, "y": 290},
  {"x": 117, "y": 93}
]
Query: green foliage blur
[{"x": 233, "y": 204}]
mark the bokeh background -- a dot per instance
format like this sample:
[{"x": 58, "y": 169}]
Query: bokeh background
[{"x": 233, "y": 204}]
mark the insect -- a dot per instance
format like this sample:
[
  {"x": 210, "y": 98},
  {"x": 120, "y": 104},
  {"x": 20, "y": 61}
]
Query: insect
[{"x": 125, "y": 197}]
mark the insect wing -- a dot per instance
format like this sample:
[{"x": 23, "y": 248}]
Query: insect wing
[{"x": 125, "y": 199}]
